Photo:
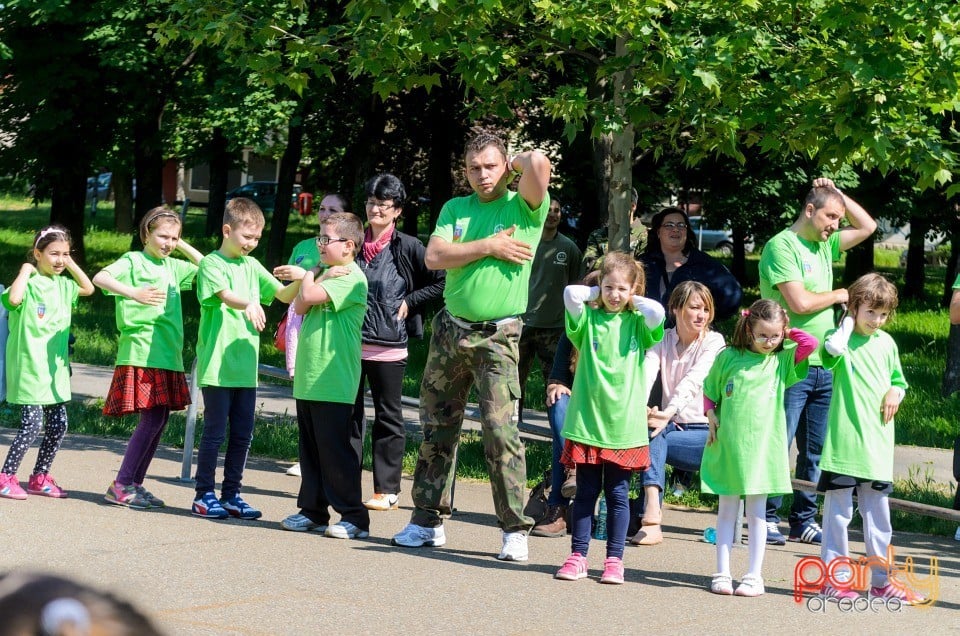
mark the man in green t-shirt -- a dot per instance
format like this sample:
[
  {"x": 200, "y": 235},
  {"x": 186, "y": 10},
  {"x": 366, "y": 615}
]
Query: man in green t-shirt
[
  {"x": 796, "y": 270},
  {"x": 485, "y": 242}
]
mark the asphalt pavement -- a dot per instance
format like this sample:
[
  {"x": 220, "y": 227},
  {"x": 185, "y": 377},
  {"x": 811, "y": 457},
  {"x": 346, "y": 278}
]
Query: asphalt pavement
[{"x": 197, "y": 576}]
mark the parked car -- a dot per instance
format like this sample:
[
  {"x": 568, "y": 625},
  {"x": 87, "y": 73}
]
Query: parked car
[
  {"x": 720, "y": 240},
  {"x": 264, "y": 194}
]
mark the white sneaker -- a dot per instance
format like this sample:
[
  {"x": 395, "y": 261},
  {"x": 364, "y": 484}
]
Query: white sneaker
[
  {"x": 382, "y": 501},
  {"x": 345, "y": 530},
  {"x": 414, "y": 536},
  {"x": 294, "y": 470},
  {"x": 514, "y": 547}
]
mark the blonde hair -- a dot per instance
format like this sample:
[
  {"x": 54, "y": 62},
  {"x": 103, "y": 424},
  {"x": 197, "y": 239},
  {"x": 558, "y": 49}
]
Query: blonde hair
[
  {"x": 154, "y": 218},
  {"x": 242, "y": 211},
  {"x": 682, "y": 294}
]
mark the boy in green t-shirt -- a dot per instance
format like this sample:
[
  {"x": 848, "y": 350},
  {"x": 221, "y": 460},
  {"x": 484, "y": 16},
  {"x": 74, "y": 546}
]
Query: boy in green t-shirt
[
  {"x": 231, "y": 287},
  {"x": 325, "y": 386}
]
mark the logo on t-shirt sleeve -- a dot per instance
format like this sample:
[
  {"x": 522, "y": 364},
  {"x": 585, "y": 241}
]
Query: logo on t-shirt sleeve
[
  {"x": 457, "y": 232},
  {"x": 41, "y": 310},
  {"x": 728, "y": 390}
]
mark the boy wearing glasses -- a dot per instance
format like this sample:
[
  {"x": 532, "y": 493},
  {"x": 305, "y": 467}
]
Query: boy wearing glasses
[{"x": 325, "y": 385}]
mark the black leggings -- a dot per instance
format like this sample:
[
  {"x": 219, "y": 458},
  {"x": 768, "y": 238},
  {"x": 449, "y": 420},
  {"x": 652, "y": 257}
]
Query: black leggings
[{"x": 31, "y": 419}]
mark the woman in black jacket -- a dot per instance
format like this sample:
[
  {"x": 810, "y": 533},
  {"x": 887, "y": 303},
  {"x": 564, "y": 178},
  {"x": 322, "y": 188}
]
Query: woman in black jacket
[
  {"x": 672, "y": 257},
  {"x": 399, "y": 287}
]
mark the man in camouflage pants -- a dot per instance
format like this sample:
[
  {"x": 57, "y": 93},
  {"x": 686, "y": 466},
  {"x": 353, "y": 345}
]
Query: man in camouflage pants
[{"x": 486, "y": 242}]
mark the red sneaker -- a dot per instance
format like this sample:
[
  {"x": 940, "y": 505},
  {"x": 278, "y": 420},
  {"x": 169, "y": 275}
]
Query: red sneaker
[
  {"x": 10, "y": 487},
  {"x": 44, "y": 484}
]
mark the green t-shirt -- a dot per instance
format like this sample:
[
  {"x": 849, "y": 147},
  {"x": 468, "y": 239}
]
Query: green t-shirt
[
  {"x": 956, "y": 283},
  {"x": 151, "y": 335},
  {"x": 328, "y": 355},
  {"x": 228, "y": 350},
  {"x": 858, "y": 443},
  {"x": 557, "y": 263},
  {"x": 489, "y": 288},
  {"x": 305, "y": 254},
  {"x": 37, "y": 356},
  {"x": 750, "y": 454},
  {"x": 787, "y": 257},
  {"x": 608, "y": 402}
]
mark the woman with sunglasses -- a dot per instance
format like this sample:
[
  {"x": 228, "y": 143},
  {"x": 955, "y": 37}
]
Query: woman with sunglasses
[{"x": 672, "y": 257}]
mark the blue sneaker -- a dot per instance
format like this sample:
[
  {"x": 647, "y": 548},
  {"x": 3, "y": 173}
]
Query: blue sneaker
[
  {"x": 807, "y": 533},
  {"x": 773, "y": 535},
  {"x": 239, "y": 508},
  {"x": 208, "y": 506}
]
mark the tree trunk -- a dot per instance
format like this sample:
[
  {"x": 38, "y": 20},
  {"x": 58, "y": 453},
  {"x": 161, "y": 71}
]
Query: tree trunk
[
  {"x": 122, "y": 187},
  {"x": 288, "y": 172},
  {"x": 621, "y": 163},
  {"x": 361, "y": 157},
  {"x": 916, "y": 265},
  {"x": 952, "y": 263},
  {"x": 738, "y": 265},
  {"x": 447, "y": 128},
  {"x": 68, "y": 205},
  {"x": 859, "y": 261},
  {"x": 147, "y": 167},
  {"x": 219, "y": 161}
]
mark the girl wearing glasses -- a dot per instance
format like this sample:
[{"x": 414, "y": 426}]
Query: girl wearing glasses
[
  {"x": 672, "y": 257},
  {"x": 746, "y": 453}
]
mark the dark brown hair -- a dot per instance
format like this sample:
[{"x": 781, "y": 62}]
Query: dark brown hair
[{"x": 762, "y": 310}]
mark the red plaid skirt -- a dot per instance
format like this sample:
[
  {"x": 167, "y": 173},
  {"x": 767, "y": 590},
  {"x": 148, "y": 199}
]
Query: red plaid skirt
[
  {"x": 135, "y": 389},
  {"x": 577, "y": 453}
]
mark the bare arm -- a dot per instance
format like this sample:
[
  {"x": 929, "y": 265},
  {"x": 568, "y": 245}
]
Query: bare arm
[
  {"x": 86, "y": 287},
  {"x": 288, "y": 293},
  {"x": 19, "y": 285},
  {"x": 143, "y": 295},
  {"x": 193, "y": 254},
  {"x": 955, "y": 308},
  {"x": 312, "y": 292},
  {"x": 801, "y": 301},
  {"x": 534, "y": 169},
  {"x": 861, "y": 225}
]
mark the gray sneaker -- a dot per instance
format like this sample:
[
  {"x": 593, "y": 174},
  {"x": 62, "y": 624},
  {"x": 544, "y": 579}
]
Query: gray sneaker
[
  {"x": 149, "y": 497},
  {"x": 302, "y": 523}
]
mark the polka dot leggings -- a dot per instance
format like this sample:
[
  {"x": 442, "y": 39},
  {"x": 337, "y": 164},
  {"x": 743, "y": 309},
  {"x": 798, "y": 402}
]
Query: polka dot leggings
[{"x": 31, "y": 419}]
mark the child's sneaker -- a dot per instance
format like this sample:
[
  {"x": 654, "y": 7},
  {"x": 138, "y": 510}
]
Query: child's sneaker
[
  {"x": 828, "y": 591},
  {"x": 573, "y": 569},
  {"x": 750, "y": 585},
  {"x": 44, "y": 484},
  {"x": 125, "y": 496},
  {"x": 149, "y": 497},
  {"x": 10, "y": 487},
  {"x": 207, "y": 505},
  {"x": 345, "y": 530},
  {"x": 612, "y": 571},
  {"x": 898, "y": 591},
  {"x": 722, "y": 584},
  {"x": 237, "y": 507}
]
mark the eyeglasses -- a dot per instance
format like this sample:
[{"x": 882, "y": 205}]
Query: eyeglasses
[
  {"x": 326, "y": 240},
  {"x": 380, "y": 205},
  {"x": 768, "y": 339},
  {"x": 674, "y": 226}
]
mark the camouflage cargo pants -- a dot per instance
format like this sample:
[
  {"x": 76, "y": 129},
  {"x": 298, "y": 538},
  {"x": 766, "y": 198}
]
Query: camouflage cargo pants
[{"x": 458, "y": 359}]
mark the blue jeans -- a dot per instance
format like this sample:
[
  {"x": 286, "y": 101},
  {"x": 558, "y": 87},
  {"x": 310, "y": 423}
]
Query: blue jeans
[
  {"x": 556, "y": 414},
  {"x": 222, "y": 405},
  {"x": 807, "y": 405},
  {"x": 682, "y": 448}
]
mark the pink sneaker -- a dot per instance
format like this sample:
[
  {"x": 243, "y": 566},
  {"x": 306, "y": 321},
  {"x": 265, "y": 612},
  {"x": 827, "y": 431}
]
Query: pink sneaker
[
  {"x": 44, "y": 484},
  {"x": 612, "y": 571},
  {"x": 828, "y": 591},
  {"x": 573, "y": 569},
  {"x": 898, "y": 591},
  {"x": 10, "y": 487}
]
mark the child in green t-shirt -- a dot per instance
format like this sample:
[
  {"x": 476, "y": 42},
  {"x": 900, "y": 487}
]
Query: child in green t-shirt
[
  {"x": 605, "y": 430},
  {"x": 746, "y": 452},
  {"x": 40, "y": 302},
  {"x": 325, "y": 386},
  {"x": 868, "y": 386},
  {"x": 149, "y": 377},
  {"x": 231, "y": 285}
]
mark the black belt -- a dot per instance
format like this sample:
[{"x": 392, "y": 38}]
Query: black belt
[{"x": 486, "y": 326}]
